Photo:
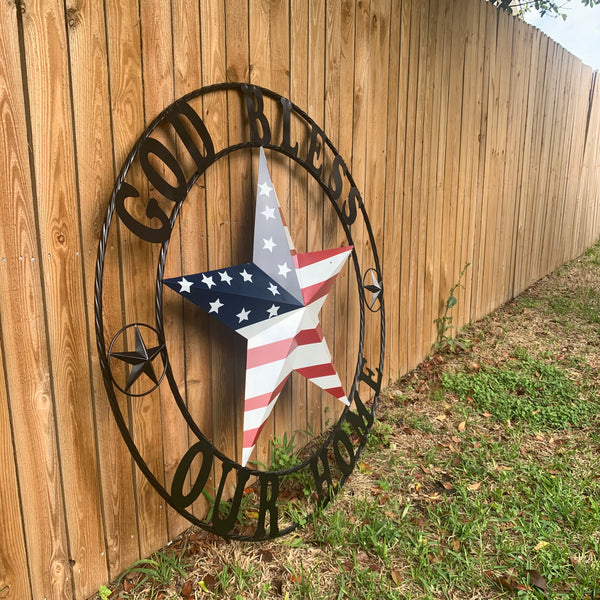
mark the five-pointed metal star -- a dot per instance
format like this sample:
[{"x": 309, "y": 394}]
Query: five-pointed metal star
[
  {"x": 374, "y": 287},
  {"x": 285, "y": 335},
  {"x": 141, "y": 359}
]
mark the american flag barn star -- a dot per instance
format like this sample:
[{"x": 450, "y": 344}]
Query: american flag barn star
[{"x": 274, "y": 302}]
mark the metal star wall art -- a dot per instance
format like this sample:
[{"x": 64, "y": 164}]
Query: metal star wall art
[
  {"x": 140, "y": 360},
  {"x": 274, "y": 302}
]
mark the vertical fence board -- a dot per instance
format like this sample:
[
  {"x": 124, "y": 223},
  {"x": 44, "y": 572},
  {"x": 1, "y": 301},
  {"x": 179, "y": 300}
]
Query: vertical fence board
[
  {"x": 89, "y": 75},
  {"x": 24, "y": 345},
  {"x": 298, "y": 219},
  {"x": 60, "y": 244},
  {"x": 14, "y": 572},
  {"x": 187, "y": 66},
  {"x": 316, "y": 109},
  {"x": 390, "y": 236},
  {"x": 124, "y": 27}
]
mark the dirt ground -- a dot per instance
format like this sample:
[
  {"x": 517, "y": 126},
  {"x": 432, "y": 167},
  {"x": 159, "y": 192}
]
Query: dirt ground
[{"x": 556, "y": 320}]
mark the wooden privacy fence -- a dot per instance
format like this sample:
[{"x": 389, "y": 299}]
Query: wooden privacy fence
[{"x": 472, "y": 137}]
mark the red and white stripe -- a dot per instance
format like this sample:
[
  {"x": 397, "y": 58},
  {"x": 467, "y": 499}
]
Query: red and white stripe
[{"x": 291, "y": 342}]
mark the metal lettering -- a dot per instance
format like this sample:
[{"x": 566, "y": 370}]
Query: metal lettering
[
  {"x": 353, "y": 198},
  {"x": 255, "y": 111},
  {"x": 152, "y": 146},
  {"x": 315, "y": 150},
  {"x": 338, "y": 170},
  {"x": 322, "y": 477},
  {"x": 224, "y": 525},
  {"x": 285, "y": 144},
  {"x": 185, "y": 110},
  {"x": 180, "y": 499},
  {"x": 366, "y": 375},
  {"x": 362, "y": 420},
  {"x": 342, "y": 437},
  {"x": 269, "y": 491},
  {"x": 153, "y": 211}
]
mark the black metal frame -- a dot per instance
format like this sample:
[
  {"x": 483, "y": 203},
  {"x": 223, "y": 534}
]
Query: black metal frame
[{"x": 319, "y": 462}]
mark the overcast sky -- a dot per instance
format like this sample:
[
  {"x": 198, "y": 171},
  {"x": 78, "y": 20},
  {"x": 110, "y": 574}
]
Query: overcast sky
[{"x": 579, "y": 34}]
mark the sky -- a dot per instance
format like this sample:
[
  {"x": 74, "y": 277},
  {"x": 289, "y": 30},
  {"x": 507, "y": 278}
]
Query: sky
[{"x": 579, "y": 33}]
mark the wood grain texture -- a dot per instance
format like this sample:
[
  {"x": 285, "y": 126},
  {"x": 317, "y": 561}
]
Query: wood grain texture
[
  {"x": 471, "y": 137},
  {"x": 89, "y": 75},
  {"x": 13, "y": 178},
  {"x": 29, "y": 391},
  {"x": 124, "y": 35},
  {"x": 52, "y": 139},
  {"x": 298, "y": 186}
]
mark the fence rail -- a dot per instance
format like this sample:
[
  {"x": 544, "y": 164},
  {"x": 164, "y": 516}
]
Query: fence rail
[{"x": 472, "y": 136}]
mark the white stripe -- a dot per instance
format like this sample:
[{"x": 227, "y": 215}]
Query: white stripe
[
  {"x": 246, "y": 452},
  {"x": 255, "y": 418},
  {"x": 265, "y": 378},
  {"x": 323, "y": 270},
  {"x": 310, "y": 355},
  {"x": 276, "y": 329},
  {"x": 327, "y": 381}
]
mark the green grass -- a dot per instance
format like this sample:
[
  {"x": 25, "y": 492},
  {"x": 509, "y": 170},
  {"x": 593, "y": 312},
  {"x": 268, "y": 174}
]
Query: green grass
[
  {"x": 524, "y": 390},
  {"x": 501, "y": 503},
  {"x": 585, "y": 306},
  {"x": 475, "y": 477}
]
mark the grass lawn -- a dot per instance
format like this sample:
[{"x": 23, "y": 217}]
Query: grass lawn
[{"x": 480, "y": 480}]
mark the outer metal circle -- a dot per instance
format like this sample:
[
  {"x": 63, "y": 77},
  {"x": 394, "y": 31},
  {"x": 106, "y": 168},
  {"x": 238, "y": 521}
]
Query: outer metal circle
[{"x": 334, "y": 449}]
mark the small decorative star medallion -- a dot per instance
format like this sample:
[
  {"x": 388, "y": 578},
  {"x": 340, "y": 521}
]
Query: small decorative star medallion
[{"x": 140, "y": 359}]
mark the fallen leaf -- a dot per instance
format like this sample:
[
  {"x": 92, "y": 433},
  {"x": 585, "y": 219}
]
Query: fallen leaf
[
  {"x": 295, "y": 578},
  {"x": 186, "y": 591},
  {"x": 541, "y": 545},
  {"x": 474, "y": 486},
  {"x": 210, "y": 582},
  {"x": 487, "y": 415},
  {"x": 128, "y": 584},
  {"x": 536, "y": 580},
  {"x": 505, "y": 580},
  {"x": 396, "y": 576},
  {"x": 447, "y": 485},
  {"x": 348, "y": 566},
  {"x": 455, "y": 545},
  {"x": 440, "y": 418},
  {"x": 266, "y": 556},
  {"x": 574, "y": 561},
  {"x": 384, "y": 499},
  {"x": 462, "y": 425}
]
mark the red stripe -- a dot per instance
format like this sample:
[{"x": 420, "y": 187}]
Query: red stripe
[
  {"x": 337, "y": 392},
  {"x": 251, "y": 435},
  {"x": 262, "y": 355},
  {"x": 309, "y": 336},
  {"x": 309, "y": 258},
  {"x": 317, "y": 371},
  {"x": 264, "y": 399},
  {"x": 268, "y": 353},
  {"x": 311, "y": 293}
]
